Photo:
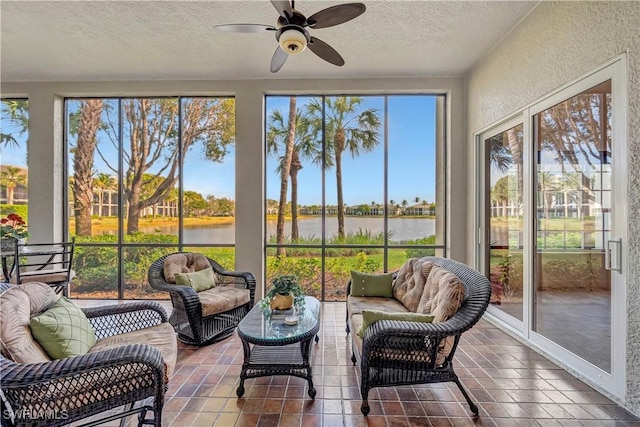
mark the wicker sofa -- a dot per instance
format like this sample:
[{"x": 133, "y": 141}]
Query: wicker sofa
[
  {"x": 399, "y": 352},
  {"x": 131, "y": 361}
]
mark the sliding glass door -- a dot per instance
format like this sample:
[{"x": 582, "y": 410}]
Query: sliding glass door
[
  {"x": 552, "y": 224},
  {"x": 573, "y": 166}
]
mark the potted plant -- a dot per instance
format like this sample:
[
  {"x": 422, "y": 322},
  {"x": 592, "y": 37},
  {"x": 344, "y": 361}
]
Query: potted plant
[
  {"x": 13, "y": 230},
  {"x": 283, "y": 291}
]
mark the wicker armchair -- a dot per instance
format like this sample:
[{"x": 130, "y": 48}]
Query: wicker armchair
[
  {"x": 187, "y": 316},
  {"x": 60, "y": 392},
  {"x": 403, "y": 353}
]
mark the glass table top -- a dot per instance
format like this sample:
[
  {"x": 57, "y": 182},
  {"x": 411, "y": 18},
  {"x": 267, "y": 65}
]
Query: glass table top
[{"x": 267, "y": 325}]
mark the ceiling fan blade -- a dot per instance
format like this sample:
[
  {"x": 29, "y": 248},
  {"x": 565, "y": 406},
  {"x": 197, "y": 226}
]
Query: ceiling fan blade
[
  {"x": 278, "y": 59},
  {"x": 284, "y": 8},
  {"x": 244, "y": 28},
  {"x": 325, "y": 51},
  {"x": 335, "y": 15}
]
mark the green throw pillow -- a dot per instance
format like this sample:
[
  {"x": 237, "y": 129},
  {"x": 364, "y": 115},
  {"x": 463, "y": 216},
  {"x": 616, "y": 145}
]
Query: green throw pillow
[
  {"x": 63, "y": 330},
  {"x": 371, "y": 316},
  {"x": 371, "y": 285},
  {"x": 200, "y": 280}
]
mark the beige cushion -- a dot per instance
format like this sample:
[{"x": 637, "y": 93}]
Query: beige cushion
[
  {"x": 183, "y": 263},
  {"x": 409, "y": 284},
  {"x": 443, "y": 295},
  {"x": 161, "y": 336},
  {"x": 222, "y": 298},
  {"x": 44, "y": 276},
  {"x": 17, "y": 305}
]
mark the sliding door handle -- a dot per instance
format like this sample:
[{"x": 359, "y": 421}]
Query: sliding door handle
[{"x": 613, "y": 255}]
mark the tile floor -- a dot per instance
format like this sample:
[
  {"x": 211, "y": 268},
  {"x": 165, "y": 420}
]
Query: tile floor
[{"x": 513, "y": 386}]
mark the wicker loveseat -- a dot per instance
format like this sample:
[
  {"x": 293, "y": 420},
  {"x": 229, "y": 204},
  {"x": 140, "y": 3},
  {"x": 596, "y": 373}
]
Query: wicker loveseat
[
  {"x": 400, "y": 352},
  {"x": 201, "y": 318},
  {"x": 131, "y": 361}
]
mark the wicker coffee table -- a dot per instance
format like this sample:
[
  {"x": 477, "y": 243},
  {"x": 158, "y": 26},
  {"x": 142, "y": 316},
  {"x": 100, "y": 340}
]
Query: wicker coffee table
[{"x": 273, "y": 348}]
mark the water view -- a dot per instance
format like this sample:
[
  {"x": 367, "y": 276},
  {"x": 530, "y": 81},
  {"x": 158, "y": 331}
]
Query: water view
[{"x": 401, "y": 229}]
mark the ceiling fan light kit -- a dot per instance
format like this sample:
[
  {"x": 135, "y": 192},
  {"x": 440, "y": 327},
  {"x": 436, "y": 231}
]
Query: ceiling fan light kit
[
  {"x": 292, "y": 41},
  {"x": 292, "y": 34}
]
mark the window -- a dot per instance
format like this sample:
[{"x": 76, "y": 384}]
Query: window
[
  {"x": 351, "y": 185},
  {"x": 147, "y": 176},
  {"x": 14, "y": 172}
]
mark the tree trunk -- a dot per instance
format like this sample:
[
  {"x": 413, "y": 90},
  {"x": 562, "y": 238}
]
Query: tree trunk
[
  {"x": 516, "y": 157},
  {"x": 83, "y": 165},
  {"x": 101, "y": 195},
  {"x": 293, "y": 173},
  {"x": 339, "y": 148},
  {"x": 134, "y": 211},
  {"x": 10, "y": 191},
  {"x": 284, "y": 176}
]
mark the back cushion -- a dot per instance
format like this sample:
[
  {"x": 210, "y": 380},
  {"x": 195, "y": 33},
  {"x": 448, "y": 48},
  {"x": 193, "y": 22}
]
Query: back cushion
[
  {"x": 410, "y": 282},
  {"x": 443, "y": 294},
  {"x": 19, "y": 304},
  {"x": 183, "y": 263}
]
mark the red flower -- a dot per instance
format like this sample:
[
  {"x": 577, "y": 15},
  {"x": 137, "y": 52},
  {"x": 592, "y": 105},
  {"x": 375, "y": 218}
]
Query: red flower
[{"x": 13, "y": 226}]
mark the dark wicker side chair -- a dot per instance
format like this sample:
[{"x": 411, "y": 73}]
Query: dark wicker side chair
[
  {"x": 404, "y": 353},
  {"x": 187, "y": 317},
  {"x": 64, "y": 391}
]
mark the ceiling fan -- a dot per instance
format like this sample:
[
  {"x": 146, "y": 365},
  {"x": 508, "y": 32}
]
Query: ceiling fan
[{"x": 292, "y": 30}]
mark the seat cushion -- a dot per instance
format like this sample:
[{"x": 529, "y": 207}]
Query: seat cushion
[
  {"x": 222, "y": 298},
  {"x": 63, "y": 330},
  {"x": 19, "y": 304},
  {"x": 161, "y": 336},
  {"x": 44, "y": 276},
  {"x": 187, "y": 262}
]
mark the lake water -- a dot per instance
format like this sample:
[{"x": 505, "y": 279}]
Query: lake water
[{"x": 401, "y": 229}]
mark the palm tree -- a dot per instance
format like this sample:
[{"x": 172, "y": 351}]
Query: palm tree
[
  {"x": 285, "y": 168},
  {"x": 347, "y": 127},
  {"x": 305, "y": 146},
  {"x": 12, "y": 177},
  {"x": 16, "y": 111},
  {"x": 417, "y": 200},
  {"x": 86, "y": 128},
  {"x": 102, "y": 182},
  {"x": 547, "y": 184}
]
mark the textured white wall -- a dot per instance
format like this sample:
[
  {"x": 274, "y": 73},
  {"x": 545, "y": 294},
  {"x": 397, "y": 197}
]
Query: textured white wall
[{"x": 556, "y": 43}]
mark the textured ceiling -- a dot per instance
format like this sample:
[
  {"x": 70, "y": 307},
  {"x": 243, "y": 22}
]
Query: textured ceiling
[{"x": 159, "y": 40}]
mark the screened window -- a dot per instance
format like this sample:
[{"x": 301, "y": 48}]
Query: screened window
[
  {"x": 14, "y": 171},
  {"x": 147, "y": 176},
  {"x": 351, "y": 185}
]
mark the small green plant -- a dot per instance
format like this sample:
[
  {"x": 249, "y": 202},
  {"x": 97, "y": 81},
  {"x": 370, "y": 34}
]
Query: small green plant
[
  {"x": 286, "y": 285},
  {"x": 504, "y": 266}
]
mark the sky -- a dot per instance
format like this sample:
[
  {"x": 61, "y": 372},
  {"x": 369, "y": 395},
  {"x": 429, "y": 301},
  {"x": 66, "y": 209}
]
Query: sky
[{"x": 411, "y": 159}]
